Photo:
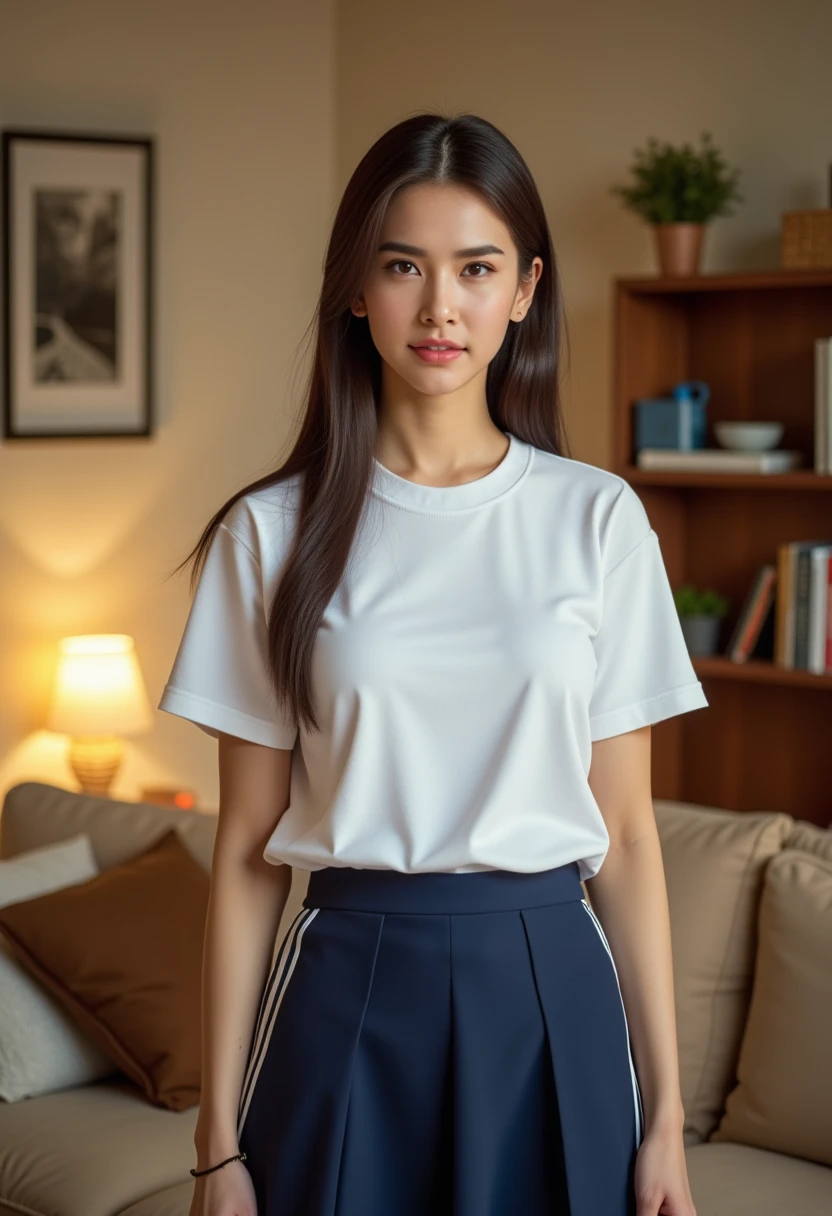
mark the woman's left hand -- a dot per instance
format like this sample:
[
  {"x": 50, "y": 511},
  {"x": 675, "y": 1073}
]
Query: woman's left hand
[{"x": 661, "y": 1176}]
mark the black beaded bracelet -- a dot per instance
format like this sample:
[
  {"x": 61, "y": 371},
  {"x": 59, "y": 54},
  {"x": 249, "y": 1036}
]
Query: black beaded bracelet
[{"x": 210, "y": 1170}]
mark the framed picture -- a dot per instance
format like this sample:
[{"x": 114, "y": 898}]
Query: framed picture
[{"x": 77, "y": 277}]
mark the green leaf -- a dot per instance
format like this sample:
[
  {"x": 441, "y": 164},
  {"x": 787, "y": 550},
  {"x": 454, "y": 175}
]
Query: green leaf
[{"x": 680, "y": 184}]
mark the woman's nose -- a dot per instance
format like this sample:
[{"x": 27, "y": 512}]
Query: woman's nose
[{"x": 439, "y": 304}]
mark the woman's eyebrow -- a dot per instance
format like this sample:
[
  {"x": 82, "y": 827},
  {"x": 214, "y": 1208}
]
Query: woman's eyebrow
[{"x": 475, "y": 251}]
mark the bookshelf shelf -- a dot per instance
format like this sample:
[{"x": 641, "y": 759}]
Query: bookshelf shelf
[
  {"x": 763, "y": 740},
  {"x": 758, "y": 671},
  {"x": 744, "y": 281}
]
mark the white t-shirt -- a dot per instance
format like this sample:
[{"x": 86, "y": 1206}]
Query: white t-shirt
[{"x": 483, "y": 635}]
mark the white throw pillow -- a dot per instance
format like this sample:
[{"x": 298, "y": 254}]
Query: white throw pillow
[{"x": 41, "y": 1048}]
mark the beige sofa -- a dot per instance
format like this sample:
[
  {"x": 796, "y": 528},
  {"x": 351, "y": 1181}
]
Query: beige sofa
[{"x": 748, "y": 893}]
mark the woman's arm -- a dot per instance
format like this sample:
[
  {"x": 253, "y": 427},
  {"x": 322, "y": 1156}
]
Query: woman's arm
[
  {"x": 246, "y": 902},
  {"x": 629, "y": 895}
]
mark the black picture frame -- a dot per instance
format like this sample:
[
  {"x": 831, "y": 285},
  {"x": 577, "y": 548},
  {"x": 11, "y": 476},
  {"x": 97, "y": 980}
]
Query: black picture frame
[{"x": 77, "y": 273}]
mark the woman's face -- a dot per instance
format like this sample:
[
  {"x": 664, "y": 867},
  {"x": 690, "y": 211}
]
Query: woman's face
[{"x": 446, "y": 268}]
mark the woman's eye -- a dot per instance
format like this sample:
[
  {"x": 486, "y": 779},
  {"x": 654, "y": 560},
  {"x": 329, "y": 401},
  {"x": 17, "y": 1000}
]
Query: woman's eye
[{"x": 483, "y": 265}]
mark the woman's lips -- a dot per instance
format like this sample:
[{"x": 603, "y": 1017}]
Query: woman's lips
[{"x": 437, "y": 356}]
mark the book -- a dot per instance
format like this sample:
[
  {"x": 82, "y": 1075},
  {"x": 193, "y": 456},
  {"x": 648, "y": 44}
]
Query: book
[
  {"x": 823, "y": 405},
  {"x": 821, "y": 395},
  {"x": 819, "y": 648},
  {"x": 803, "y": 626},
  {"x": 718, "y": 460},
  {"x": 753, "y": 615}
]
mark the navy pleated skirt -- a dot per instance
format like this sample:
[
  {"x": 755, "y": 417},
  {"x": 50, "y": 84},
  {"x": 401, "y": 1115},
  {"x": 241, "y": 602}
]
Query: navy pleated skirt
[{"x": 440, "y": 1044}]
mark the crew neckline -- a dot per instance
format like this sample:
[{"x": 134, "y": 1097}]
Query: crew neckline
[{"x": 440, "y": 499}]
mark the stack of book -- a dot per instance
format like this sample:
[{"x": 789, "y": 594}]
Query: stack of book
[
  {"x": 793, "y": 599},
  {"x": 717, "y": 460}
]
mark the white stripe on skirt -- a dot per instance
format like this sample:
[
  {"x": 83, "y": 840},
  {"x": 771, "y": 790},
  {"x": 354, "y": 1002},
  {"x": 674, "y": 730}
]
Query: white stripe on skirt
[
  {"x": 639, "y": 1110},
  {"x": 270, "y": 1002}
]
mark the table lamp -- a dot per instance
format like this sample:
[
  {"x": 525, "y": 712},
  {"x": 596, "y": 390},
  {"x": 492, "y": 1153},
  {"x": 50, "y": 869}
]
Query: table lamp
[{"x": 99, "y": 695}]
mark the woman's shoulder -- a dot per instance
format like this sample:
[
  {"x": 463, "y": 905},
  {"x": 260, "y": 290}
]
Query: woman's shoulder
[
  {"x": 609, "y": 509},
  {"x": 263, "y": 520},
  {"x": 590, "y": 483}
]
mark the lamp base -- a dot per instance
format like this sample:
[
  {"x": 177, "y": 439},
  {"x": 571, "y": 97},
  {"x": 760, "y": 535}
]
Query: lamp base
[{"x": 95, "y": 760}]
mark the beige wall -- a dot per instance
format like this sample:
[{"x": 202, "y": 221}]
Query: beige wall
[
  {"x": 261, "y": 109},
  {"x": 239, "y": 97},
  {"x": 577, "y": 86}
]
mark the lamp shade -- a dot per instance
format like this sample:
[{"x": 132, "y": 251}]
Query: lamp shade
[{"x": 99, "y": 688}]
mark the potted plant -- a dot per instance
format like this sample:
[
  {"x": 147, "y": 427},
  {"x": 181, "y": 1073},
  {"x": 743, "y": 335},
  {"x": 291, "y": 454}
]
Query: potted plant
[
  {"x": 700, "y": 612},
  {"x": 678, "y": 190}
]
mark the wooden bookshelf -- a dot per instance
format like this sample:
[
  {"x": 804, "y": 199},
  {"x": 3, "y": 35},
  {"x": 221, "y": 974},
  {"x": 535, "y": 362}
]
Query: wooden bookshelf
[{"x": 765, "y": 740}]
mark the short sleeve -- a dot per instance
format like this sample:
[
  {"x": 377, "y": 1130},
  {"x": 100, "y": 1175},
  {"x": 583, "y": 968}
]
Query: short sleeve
[
  {"x": 220, "y": 678},
  {"x": 643, "y": 668}
]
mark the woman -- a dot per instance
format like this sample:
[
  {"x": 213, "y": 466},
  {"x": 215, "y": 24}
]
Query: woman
[{"x": 431, "y": 646}]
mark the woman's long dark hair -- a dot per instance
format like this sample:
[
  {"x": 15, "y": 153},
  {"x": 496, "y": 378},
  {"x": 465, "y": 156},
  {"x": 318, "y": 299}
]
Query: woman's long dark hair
[{"x": 336, "y": 443}]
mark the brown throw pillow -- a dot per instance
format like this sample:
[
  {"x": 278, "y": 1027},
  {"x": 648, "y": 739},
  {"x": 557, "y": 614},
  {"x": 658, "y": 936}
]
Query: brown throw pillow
[
  {"x": 122, "y": 953},
  {"x": 714, "y": 864},
  {"x": 783, "y": 1099}
]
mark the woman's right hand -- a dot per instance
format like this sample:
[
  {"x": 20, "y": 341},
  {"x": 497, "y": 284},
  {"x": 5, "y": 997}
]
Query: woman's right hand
[{"x": 225, "y": 1192}]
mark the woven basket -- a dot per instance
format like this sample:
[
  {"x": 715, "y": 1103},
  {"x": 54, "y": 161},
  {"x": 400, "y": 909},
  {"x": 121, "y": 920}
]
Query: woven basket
[{"x": 806, "y": 240}]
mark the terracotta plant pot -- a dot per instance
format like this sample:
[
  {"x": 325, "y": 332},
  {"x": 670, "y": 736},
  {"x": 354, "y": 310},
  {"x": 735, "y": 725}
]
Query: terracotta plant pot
[{"x": 679, "y": 248}]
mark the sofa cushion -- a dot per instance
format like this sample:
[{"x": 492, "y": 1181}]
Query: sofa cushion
[
  {"x": 783, "y": 1099},
  {"x": 733, "y": 1180},
  {"x": 714, "y": 862},
  {"x": 172, "y": 1201},
  {"x": 810, "y": 839},
  {"x": 36, "y": 813},
  {"x": 123, "y": 953},
  {"x": 41, "y": 1047},
  {"x": 91, "y": 1151}
]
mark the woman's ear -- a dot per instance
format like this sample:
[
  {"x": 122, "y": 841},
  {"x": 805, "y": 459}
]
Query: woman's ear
[
  {"x": 358, "y": 308},
  {"x": 523, "y": 301}
]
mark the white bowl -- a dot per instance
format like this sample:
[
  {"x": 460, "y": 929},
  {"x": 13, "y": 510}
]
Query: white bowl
[{"x": 748, "y": 436}]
